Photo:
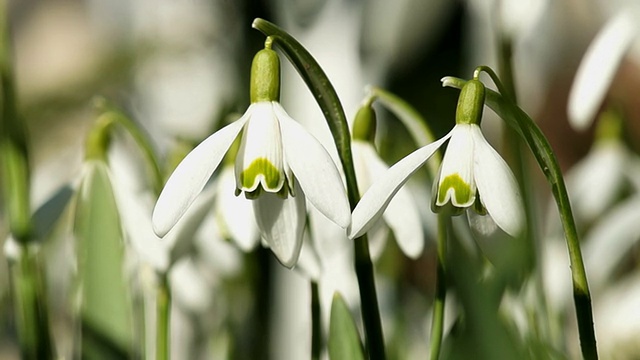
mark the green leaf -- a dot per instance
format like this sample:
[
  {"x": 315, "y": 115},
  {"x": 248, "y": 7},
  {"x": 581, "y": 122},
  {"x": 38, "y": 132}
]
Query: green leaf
[
  {"x": 344, "y": 341},
  {"x": 105, "y": 303}
]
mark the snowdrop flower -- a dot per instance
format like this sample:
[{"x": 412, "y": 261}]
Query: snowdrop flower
[
  {"x": 278, "y": 165},
  {"x": 472, "y": 174},
  {"x": 401, "y": 215},
  {"x": 598, "y": 68}
]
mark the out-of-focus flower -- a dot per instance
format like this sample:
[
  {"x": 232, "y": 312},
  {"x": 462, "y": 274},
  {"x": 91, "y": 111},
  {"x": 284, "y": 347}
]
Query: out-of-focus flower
[
  {"x": 599, "y": 66},
  {"x": 278, "y": 165},
  {"x": 401, "y": 215}
]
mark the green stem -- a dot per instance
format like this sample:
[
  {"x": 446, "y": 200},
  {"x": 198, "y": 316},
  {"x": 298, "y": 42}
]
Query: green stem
[
  {"x": 13, "y": 144},
  {"x": 31, "y": 311},
  {"x": 548, "y": 162},
  {"x": 437, "y": 323},
  {"x": 326, "y": 97},
  {"x": 316, "y": 322},
  {"x": 163, "y": 319}
]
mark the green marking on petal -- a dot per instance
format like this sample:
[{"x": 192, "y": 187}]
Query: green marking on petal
[
  {"x": 263, "y": 171},
  {"x": 461, "y": 190}
]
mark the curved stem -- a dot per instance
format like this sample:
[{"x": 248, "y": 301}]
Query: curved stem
[
  {"x": 140, "y": 139},
  {"x": 547, "y": 161},
  {"x": 327, "y": 98},
  {"x": 437, "y": 322}
]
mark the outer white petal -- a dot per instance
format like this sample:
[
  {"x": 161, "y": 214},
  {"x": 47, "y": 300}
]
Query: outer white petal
[
  {"x": 235, "y": 213},
  {"x": 458, "y": 160},
  {"x": 189, "y": 178},
  {"x": 598, "y": 69},
  {"x": 374, "y": 202},
  {"x": 313, "y": 167},
  {"x": 401, "y": 214},
  {"x": 281, "y": 222},
  {"x": 497, "y": 186}
]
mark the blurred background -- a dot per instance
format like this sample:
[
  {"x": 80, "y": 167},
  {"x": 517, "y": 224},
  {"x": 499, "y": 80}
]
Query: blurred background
[{"x": 180, "y": 69}]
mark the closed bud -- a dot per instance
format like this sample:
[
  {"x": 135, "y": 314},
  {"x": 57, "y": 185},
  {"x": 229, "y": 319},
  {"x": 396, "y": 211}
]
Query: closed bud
[
  {"x": 265, "y": 76},
  {"x": 470, "y": 103}
]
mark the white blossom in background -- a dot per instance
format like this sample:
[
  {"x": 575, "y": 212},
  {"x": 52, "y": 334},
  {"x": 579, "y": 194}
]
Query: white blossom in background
[
  {"x": 599, "y": 66},
  {"x": 401, "y": 216}
]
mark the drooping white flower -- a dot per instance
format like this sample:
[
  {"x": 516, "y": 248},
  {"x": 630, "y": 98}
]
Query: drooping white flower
[
  {"x": 278, "y": 166},
  {"x": 472, "y": 173}
]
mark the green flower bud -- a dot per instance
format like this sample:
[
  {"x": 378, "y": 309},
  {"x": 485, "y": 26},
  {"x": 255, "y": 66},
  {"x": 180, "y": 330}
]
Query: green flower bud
[
  {"x": 470, "y": 103},
  {"x": 364, "y": 125},
  {"x": 265, "y": 76},
  {"x": 99, "y": 137},
  {"x": 609, "y": 126}
]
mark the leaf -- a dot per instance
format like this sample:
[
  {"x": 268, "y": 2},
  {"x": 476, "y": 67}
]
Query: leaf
[{"x": 344, "y": 341}]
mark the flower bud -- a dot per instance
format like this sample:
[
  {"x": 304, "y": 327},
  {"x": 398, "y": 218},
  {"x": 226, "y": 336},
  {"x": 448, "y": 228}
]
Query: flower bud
[
  {"x": 470, "y": 103},
  {"x": 265, "y": 76},
  {"x": 364, "y": 125}
]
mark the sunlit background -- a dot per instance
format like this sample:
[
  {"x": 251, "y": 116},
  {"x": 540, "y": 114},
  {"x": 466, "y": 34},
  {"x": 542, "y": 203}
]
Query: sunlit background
[{"x": 180, "y": 69}]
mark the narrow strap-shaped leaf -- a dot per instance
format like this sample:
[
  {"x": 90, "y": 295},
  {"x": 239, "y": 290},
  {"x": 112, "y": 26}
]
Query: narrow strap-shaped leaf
[{"x": 344, "y": 341}]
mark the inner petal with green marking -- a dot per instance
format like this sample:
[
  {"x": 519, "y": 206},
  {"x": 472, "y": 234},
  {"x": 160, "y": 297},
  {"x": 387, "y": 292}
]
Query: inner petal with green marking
[
  {"x": 261, "y": 172},
  {"x": 455, "y": 188}
]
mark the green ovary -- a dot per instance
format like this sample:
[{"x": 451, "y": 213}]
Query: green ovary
[
  {"x": 461, "y": 190},
  {"x": 261, "y": 169}
]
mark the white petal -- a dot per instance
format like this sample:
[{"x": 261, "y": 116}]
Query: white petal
[
  {"x": 189, "y": 178},
  {"x": 598, "y": 69},
  {"x": 458, "y": 164},
  {"x": 596, "y": 181},
  {"x": 497, "y": 186},
  {"x": 610, "y": 240},
  {"x": 314, "y": 169},
  {"x": 235, "y": 213},
  {"x": 281, "y": 222},
  {"x": 261, "y": 141},
  {"x": 374, "y": 202},
  {"x": 401, "y": 214}
]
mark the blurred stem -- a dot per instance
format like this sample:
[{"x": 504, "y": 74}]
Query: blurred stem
[
  {"x": 437, "y": 323},
  {"x": 139, "y": 137},
  {"x": 327, "y": 98},
  {"x": 163, "y": 319},
  {"x": 31, "y": 311},
  {"x": 316, "y": 322},
  {"x": 548, "y": 163}
]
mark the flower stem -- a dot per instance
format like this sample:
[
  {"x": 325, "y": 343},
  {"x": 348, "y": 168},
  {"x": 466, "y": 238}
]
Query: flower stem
[
  {"x": 548, "y": 162},
  {"x": 327, "y": 98},
  {"x": 437, "y": 322},
  {"x": 163, "y": 318},
  {"x": 316, "y": 322},
  {"x": 31, "y": 311}
]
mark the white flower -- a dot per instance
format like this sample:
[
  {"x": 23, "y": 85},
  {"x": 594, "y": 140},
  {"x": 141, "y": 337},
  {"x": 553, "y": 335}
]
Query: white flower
[
  {"x": 278, "y": 165},
  {"x": 598, "y": 68},
  {"x": 401, "y": 214},
  {"x": 472, "y": 172}
]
